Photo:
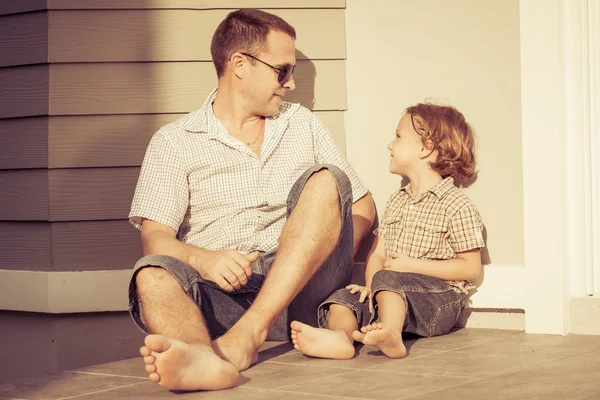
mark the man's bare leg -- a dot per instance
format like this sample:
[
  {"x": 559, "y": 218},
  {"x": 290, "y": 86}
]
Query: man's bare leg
[
  {"x": 182, "y": 358},
  {"x": 335, "y": 342},
  {"x": 387, "y": 334},
  {"x": 309, "y": 236}
]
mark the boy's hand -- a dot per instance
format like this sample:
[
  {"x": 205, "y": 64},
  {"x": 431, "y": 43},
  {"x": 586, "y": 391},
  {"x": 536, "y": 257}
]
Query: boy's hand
[
  {"x": 365, "y": 293},
  {"x": 399, "y": 263}
]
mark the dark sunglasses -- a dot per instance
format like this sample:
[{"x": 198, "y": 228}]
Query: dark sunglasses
[{"x": 285, "y": 72}]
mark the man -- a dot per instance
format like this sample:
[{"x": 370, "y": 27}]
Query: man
[{"x": 246, "y": 215}]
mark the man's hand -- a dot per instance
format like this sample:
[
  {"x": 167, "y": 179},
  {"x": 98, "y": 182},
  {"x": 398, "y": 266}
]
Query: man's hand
[
  {"x": 365, "y": 293},
  {"x": 399, "y": 263},
  {"x": 229, "y": 269}
]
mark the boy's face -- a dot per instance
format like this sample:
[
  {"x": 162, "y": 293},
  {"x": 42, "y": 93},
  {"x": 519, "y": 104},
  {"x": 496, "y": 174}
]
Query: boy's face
[{"x": 406, "y": 148}]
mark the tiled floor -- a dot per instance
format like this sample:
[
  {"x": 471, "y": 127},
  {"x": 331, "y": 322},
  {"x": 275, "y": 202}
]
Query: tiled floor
[{"x": 466, "y": 364}]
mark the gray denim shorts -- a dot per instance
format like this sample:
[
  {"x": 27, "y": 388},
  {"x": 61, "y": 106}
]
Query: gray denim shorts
[
  {"x": 221, "y": 310},
  {"x": 432, "y": 305}
]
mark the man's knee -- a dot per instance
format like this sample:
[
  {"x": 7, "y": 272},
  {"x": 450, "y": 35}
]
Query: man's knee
[{"x": 150, "y": 278}]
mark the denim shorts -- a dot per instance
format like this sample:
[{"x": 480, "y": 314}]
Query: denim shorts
[
  {"x": 221, "y": 309},
  {"x": 432, "y": 305}
]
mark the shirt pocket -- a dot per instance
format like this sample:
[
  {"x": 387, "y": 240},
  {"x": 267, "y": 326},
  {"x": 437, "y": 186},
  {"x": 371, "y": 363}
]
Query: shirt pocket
[{"x": 429, "y": 240}]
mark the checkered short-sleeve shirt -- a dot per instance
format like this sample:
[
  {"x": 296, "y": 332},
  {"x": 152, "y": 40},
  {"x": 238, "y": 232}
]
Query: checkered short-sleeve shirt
[
  {"x": 441, "y": 223},
  {"x": 216, "y": 193}
]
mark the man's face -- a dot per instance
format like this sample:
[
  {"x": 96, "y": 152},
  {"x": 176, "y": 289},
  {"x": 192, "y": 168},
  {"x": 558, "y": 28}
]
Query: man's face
[{"x": 265, "y": 92}]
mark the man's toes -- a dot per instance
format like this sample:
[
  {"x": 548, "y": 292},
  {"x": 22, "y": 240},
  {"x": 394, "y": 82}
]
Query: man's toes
[
  {"x": 154, "y": 377},
  {"x": 144, "y": 351},
  {"x": 157, "y": 343},
  {"x": 150, "y": 368},
  {"x": 149, "y": 360}
]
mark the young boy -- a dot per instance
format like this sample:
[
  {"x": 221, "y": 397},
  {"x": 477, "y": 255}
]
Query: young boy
[{"x": 427, "y": 249}]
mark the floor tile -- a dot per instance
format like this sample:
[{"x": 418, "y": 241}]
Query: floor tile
[
  {"x": 372, "y": 384},
  {"x": 134, "y": 367},
  {"x": 61, "y": 385},
  {"x": 274, "y": 375},
  {"x": 461, "y": 338},
  {"x": 496, "y": 357},
  {"x": 152, "y": 391},
  {"x": 573, "y": 378},
  {"x": 366, "y": 357}
]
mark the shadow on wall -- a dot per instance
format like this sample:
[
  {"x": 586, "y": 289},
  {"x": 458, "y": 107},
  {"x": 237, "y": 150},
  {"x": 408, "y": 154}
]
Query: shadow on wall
[{"x": 304, "y": 77}]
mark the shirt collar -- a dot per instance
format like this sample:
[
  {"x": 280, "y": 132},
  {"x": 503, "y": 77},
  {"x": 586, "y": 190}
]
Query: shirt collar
[
  {"x": 439, "y": 190},
  {"x": 205, "y": 121}
]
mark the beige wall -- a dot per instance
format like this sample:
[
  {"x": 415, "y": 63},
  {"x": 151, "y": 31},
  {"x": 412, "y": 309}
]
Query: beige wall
[{"x": 464, "y": 53}]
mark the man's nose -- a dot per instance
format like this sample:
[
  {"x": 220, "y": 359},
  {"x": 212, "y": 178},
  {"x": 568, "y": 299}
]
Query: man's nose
[{"x": 290, "y": 84}]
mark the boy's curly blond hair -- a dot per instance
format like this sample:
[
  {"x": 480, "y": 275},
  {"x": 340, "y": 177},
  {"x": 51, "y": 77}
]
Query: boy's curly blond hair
[{"x": 444, "y": 129}]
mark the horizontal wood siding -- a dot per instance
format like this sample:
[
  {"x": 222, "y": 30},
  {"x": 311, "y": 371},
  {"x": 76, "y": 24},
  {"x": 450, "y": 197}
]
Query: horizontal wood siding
[
  {"x": 24, "y": 39},
  {"x": 84, "y": 86},
  {"x": 172, "y": 35}
]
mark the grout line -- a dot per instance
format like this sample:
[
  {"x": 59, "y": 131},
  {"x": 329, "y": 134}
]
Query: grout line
[
  {"x": 311, "y": 366},
  {"x": 314, "y": 379},
  {"x": 102, "y": 391},
  {"x": 103, "y": 374},
  {"x": 320, "y": 394}
]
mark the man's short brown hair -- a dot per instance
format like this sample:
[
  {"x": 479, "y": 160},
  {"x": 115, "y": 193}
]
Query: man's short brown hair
[
  {"x": 245, "y": 31},
  {"x": 444, "y": 129}
]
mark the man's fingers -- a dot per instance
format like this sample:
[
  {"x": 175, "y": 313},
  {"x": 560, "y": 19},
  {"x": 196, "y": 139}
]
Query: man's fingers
[
  {"x": 243, "y": 261},
  {"x": 223, "y": 284},
  {"x": 240, "y": 273},
  {"x": 232, "y": 279},
  {"x": 252, "y": 256}
]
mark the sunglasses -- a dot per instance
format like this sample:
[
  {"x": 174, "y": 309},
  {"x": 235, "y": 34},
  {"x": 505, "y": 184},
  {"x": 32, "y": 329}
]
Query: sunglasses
[{"x": 285, "y": 72}]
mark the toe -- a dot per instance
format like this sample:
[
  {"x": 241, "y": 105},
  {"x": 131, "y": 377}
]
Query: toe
[
  {"x": 144, "y": 351},
  {"x": 157, "y": 343},
  {"x": 297, "y": 326},
  {"x": 149, "y": 360},
  {"x": 150, "y": 368},
  {"x": 154, "y": 377},
  {"x": 358, "y": 336}
]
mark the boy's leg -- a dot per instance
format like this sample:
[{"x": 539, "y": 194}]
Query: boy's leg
[{"x": 428, "y": 307}]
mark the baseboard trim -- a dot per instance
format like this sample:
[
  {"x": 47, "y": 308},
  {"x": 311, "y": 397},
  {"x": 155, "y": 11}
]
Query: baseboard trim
[{"x": 500, "y": 286}]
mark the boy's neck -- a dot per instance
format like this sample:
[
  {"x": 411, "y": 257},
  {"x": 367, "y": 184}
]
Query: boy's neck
[{"x": 422, "y": 181}]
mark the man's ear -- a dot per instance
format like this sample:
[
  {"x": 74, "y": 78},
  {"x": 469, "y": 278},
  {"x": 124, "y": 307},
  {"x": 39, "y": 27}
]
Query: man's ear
[{"x": 237, "y": 64}]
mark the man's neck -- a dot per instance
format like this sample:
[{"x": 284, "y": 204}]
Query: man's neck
[{"x": 233, "y": 111}]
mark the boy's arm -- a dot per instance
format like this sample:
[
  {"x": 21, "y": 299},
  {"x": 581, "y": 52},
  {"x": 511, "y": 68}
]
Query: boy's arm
[
  {"x": 375, "y": 259},
  {"x": 465, "y": 267}
]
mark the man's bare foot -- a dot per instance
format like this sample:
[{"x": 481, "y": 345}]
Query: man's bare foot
[
  {"x": 180, "y": 366},
  {"x": 239, "y": 346},
  {"x": 318, "y": 342},
  {"x": 386, "y": 340}
]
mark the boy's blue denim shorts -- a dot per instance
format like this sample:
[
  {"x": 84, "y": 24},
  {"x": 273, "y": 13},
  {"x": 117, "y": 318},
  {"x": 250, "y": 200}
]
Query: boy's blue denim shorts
[{"x": 432, "y": 305}]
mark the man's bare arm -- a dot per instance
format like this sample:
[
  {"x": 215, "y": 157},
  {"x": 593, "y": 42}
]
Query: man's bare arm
[
  {"x": 227, "y": 268},
  {"x": 363, "y": 215}
]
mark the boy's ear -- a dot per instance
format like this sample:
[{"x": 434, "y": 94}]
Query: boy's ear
[{"x": 427, "y": 150}]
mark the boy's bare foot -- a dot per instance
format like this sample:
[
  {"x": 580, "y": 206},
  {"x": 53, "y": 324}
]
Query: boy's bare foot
[
  {"x": 318, "y": 342},
  {"x": 180, "y": 366},
  {"x": 386, "y": 340}
]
